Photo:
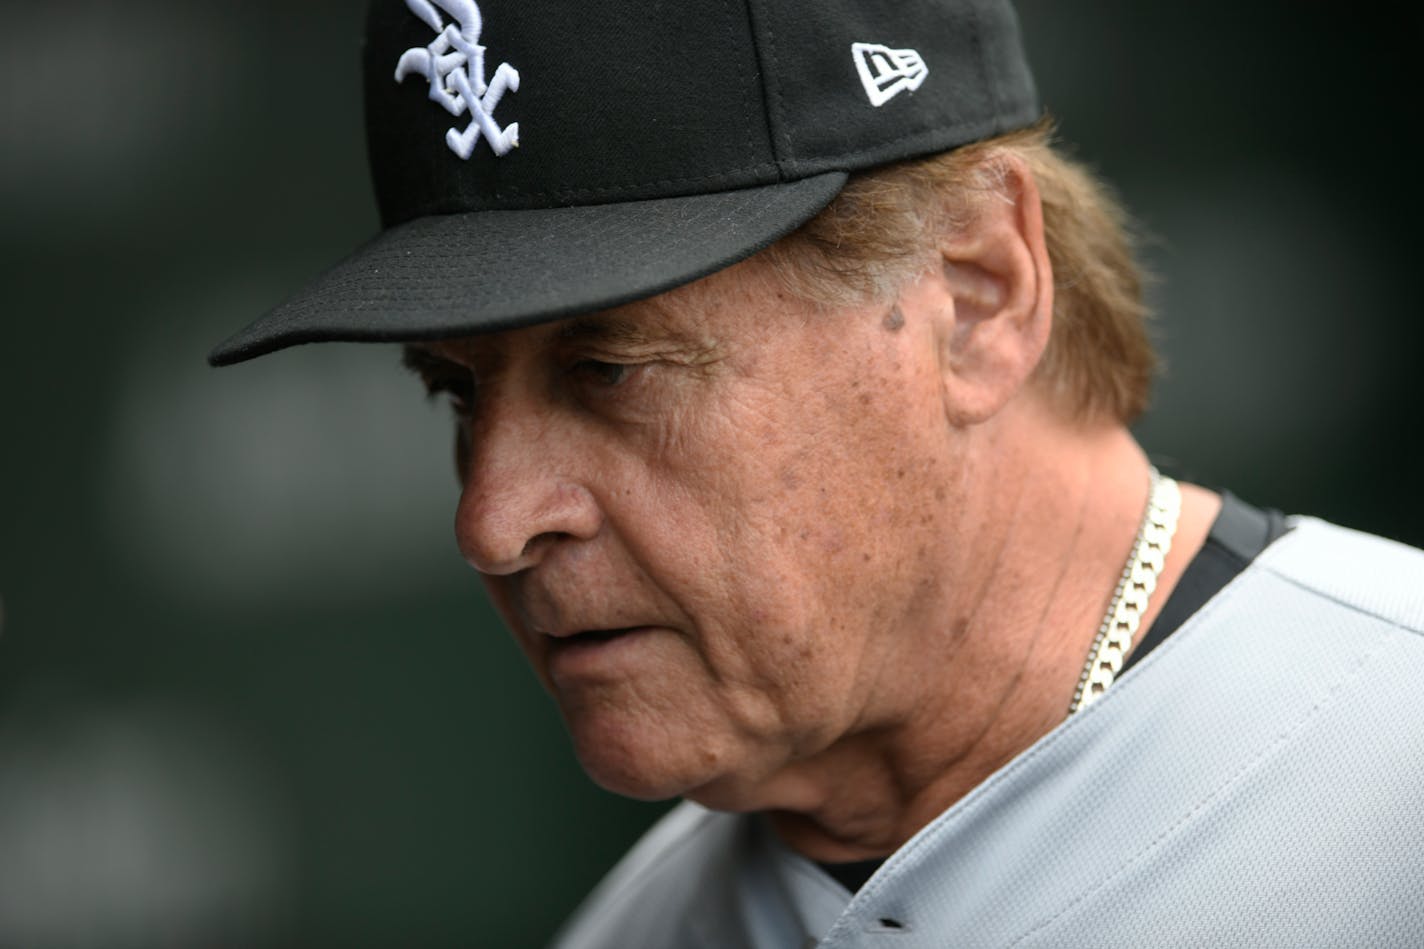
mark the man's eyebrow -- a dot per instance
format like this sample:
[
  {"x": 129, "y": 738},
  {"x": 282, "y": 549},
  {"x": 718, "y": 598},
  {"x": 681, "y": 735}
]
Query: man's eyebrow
[
  {"x": 434, "y": 370},
  {"x": 609, "y": 328},
  {"x": 421, "y": 360}
]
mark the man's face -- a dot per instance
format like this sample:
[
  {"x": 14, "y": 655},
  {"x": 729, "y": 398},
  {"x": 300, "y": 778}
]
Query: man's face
[{"x": 707, "y": 519}]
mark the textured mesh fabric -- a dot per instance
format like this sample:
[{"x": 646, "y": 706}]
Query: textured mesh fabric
[{"x": 1256, "y": 782}]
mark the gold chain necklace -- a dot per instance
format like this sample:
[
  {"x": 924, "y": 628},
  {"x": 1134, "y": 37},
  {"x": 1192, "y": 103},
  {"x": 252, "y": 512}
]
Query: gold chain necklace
[{"x": 1134, "y": 589}]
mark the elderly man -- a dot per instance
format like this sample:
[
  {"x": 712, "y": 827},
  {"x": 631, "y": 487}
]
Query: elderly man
[{"x": 791, "y": 368}]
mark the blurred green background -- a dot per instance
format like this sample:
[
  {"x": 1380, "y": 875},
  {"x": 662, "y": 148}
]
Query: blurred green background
[{"x": 250, "y": 695}]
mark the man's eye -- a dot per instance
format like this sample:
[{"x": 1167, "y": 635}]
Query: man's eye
[
  {"x": 602, "y": 373},
  {"x": 441, "y": 376},
  {"x": 458, "y": 391}
]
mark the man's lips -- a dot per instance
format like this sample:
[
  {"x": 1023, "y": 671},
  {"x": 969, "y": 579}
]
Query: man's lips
[
  {"x": 602, "y": 653},
  {"x": 559, "y": 628},
  {"x": 593, "y": 635}
]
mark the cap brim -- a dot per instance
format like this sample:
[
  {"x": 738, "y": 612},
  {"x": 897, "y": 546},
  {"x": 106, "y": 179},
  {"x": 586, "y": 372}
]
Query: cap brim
[{"x": 458, "y": 274}]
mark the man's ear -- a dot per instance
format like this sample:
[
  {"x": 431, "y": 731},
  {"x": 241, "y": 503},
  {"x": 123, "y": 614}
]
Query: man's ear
[{"x": 993, "y": 297}]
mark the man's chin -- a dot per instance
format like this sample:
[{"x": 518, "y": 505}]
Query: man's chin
[
  {"x": 637, "y": 780},
  {"x": 651, "y": 777},
  {"x": 645, "y": 770}
]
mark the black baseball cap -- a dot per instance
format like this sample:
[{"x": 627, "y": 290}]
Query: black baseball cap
[{"x": 534, "y": 159}]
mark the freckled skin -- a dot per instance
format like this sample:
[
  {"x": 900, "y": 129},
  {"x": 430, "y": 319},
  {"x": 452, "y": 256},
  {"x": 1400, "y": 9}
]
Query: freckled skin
[
  {"x": 754, "y": 509},
  {"x": 864, "y": 554}
]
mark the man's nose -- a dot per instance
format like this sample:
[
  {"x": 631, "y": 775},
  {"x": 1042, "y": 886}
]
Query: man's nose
[{"x": 517, "y": 498}]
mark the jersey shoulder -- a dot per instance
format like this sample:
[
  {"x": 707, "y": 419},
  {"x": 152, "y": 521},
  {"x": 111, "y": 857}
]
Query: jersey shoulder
[
  {"x": 1352, "y": 570},
  {"x": 658, "y": 894}
]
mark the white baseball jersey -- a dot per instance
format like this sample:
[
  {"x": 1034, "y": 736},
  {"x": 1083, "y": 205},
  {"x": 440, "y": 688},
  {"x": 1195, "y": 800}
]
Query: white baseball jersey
[{"x": 1258, "y": 780}]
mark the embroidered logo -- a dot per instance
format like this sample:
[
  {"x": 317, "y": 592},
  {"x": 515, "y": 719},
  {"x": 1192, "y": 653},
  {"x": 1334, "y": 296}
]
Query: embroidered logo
[
  {"x": 454, "y": 65},
  {"x": 886, "y": 72}
]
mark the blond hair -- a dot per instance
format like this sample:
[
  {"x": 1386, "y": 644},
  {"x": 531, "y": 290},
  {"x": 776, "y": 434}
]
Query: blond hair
[{"x": 883, "y": 229}]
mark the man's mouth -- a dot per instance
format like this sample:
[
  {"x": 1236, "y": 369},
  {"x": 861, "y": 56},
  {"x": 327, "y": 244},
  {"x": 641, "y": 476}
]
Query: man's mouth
[
  {"x": 597, "y": 653},
  {"x": 598, "y": 635}
]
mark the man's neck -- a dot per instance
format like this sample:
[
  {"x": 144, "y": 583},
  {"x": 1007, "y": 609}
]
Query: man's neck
[{"x": 1042, "y": 556}]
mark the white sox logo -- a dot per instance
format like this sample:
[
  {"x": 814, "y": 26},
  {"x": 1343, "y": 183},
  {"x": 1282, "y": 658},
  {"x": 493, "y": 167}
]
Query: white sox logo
[{"x": 451, "y": 62}]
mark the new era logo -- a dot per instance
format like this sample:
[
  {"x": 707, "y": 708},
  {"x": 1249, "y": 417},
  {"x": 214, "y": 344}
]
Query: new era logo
[{"x": 886, "y": 72}]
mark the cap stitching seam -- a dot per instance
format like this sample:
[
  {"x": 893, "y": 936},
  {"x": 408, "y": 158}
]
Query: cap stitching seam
[
  {"x": 977, "y": 33},
  {"x": 773, "y": 74},
  {"x": 989, "y": 123},
  {"x": 746, "y": 99},
  {"x": 615, "y": 189},
  {"x": 773, "y": 121}
]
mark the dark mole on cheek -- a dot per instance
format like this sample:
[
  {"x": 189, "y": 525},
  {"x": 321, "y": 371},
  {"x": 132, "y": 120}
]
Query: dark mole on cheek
[{"x": 894, "y": 320}]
